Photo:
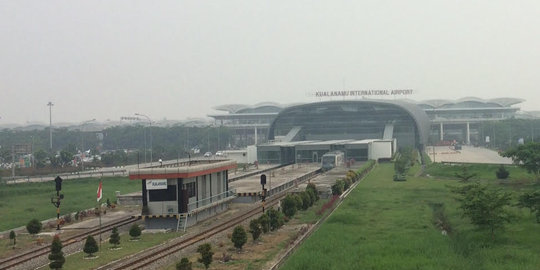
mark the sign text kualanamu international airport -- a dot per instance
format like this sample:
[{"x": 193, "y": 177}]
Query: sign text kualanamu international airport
[{"x": 353, "y": 93}]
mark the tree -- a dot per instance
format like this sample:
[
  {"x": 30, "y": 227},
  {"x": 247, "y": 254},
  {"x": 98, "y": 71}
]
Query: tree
[
  {"x": 526, "y": 156},
  {"x": 115, "y": 238},
  {"x": 184, "y": 264},
  {"x": 337, "y": 188},
  {"x": 56, "y": 256},
  {"x": 465, "y": 176},
  {"x": 239, "y": 237},
  {"x": 13, "y": 237},
  {"x": 34, "y": 226},
  {"x": 135, "y": 231},
  {"x": 532, "y": 201},
  {"x": 206, "y": 254},
  {"x": 264, "y": 220},
  {"x": 90, "y": 246},
  {"x": 255, "y": 229},
  {"x": 486, "y": 208},
  {"x": 288, "y": 206}
]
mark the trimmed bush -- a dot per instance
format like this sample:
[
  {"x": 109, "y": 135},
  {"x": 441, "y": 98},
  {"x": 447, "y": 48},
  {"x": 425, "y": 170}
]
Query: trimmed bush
[
  {"x": 502, "y": 173},
  {"x": 206, "y": 254},
  {"x": 239, "y": 237},
  {"x": 312, "y": 187},
  {"x": 306, "y": 200},
  {"x": 288, "y": 206},
  {"x": 115, "y": 237},
  {"x": 135, "y": 231},
  {"x": 90, "y": 246},
  {"x": 297, "y": 201},
  {"x": 34, "y": 226},
  {"x": 255, "y": 229},
  {"x": 264, "y": 221},
  {"x": 337, "y": 188},
  {"x": 56, "y": 256},
  {"x": 184, "y": 264}
]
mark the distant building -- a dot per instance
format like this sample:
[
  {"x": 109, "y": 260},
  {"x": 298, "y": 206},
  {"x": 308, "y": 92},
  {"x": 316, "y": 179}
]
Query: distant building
[{"x": 449, "y": 120}]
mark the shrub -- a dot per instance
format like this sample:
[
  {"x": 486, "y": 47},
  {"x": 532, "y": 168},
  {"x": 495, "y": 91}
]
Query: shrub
[
  {"x": 312, "y": 196},
  {"x": 337, "y": 188},
  {"x": 306, "y": 200},
  {"x": 135, "y": 231},
  {"x": 346, "y": 183},
  {"x": 13, "y": 237},
  {"x": 34, "y": 226},
  {"x": 56, "y": 256},
  {"x": 276, "y": 219},
  {"x": 264, "y": 220},
  {"x": 206, "y": 254},
  {"x": 239, "y": 237},
  {"x": 288, "y": 206},
  {"x": 255, "y": 229},
  {"x": 502, "y": 173},
  {"x": 297, "y": 201},
  {"x": 90, "y": 246},
  {"x": 315, "y": 191},
  {"x": 115, "y": 237},
  {"x": 184, "y": 264}
]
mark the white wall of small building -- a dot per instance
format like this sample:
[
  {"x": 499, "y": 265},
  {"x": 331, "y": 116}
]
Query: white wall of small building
[{"x": 380, "y": 149}]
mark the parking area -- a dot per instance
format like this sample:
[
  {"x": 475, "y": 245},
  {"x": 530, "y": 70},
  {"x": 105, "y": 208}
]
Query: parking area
[{"x": 468, "y": 154}]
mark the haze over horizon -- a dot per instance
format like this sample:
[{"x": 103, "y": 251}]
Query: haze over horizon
[{"x": 178, "y": 59}]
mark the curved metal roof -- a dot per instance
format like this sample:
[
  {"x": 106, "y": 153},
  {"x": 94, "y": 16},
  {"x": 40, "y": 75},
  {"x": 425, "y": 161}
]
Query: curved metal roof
[
  {"x": 239, "y": 108},
  {"x": 502, "y": 102},
  {"x": 417, "y": 114}
]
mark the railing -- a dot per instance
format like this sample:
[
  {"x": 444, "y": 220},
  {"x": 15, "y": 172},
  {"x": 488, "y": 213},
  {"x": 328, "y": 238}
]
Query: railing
[
  {"x": 200, "y": 203},
  {"x": 65, "y": 176}
]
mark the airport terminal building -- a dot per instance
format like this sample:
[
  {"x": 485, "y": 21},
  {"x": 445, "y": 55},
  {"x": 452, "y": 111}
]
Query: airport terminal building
[{"x": 413, "y": 123}]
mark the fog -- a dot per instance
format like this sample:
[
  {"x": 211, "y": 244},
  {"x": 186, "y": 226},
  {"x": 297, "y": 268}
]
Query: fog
[{"x": 178, "y": 59}]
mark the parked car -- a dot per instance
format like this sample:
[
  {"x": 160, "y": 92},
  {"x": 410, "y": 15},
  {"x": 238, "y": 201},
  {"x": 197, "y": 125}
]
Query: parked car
[{"x": 208, "y": 154}]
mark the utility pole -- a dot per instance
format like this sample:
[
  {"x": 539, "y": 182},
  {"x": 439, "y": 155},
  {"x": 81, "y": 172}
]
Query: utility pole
[
  {"x": 50, "y": 104},
  {"x": 150, "y": 125}
]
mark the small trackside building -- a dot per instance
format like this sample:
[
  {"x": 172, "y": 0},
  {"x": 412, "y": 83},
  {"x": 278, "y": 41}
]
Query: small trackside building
[{"x": 181, "y": 194}]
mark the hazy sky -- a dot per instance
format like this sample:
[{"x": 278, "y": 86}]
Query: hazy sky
[{"x": 178, "y": 59}]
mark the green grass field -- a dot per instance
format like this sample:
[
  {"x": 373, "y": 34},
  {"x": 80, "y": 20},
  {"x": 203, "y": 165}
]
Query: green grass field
[
  {"x": 22, "y": 202},
  {"x": 389, "y": 225},
  {"x": 483, "y": 171}
]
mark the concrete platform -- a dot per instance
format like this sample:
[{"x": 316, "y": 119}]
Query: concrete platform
[
  {"x": 324, "y": 181},
  {"x": 468, "y": 154},
  {"x": 274, "y": 178}
]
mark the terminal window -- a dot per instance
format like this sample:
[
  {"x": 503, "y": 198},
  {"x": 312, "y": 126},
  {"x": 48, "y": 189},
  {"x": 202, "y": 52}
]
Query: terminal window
[{"x": 161, "y": 195}]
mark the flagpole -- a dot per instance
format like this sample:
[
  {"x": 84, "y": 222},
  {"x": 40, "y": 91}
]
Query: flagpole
[{"x": 99, "y": 196}]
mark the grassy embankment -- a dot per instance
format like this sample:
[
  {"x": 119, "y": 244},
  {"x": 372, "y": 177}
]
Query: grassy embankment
[
  {"x": 21, "y": 202},
  {"x": 390, "y": 225}
]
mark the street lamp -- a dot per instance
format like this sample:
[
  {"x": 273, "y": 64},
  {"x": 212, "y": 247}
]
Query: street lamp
[
  {"x": 50, "y": 104},
  {"x": 150, "y": 124},
  {"x": 82, "y": 141}
]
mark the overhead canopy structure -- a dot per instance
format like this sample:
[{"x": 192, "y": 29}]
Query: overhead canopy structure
[{"x": 353, "y": 119}]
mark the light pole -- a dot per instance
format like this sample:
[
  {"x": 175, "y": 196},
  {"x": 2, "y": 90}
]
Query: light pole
[
  {"x": 50, "y": 104},
  {"x": 82, "y": 141},
  {"x": 150, "y": 124}
]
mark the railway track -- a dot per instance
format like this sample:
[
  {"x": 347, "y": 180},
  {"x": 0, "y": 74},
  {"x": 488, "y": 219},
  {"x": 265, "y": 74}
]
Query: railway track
[
  {"x": 144, "y": 259},
  {"x": 36, "y": 253}
]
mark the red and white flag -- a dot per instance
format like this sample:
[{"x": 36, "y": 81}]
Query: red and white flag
[{"x": 99, "y": 192}]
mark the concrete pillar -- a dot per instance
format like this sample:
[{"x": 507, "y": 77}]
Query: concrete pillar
[
  {"x": 442, "y": 132},
  {"x": 468, "y": 136},
  {"x": 255, "y": 135}
]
